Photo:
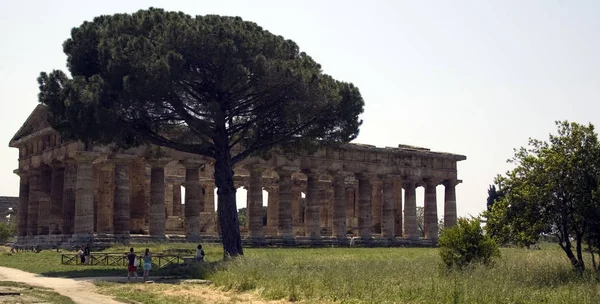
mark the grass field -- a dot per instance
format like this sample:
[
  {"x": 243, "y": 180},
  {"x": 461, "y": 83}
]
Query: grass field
[{"x": 360, "y": 275}]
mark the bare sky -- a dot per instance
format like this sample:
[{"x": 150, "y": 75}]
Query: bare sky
[{"x": 468, "y": 77}]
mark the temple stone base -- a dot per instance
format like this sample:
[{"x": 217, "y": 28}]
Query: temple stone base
[
  {"x": 106, "y": 240},
  {"x": 208, "y": 221},
  {"x": 174, "y": 225}
]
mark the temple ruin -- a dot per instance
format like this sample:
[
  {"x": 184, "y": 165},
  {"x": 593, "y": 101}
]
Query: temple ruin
[{"x": 69, "y": 195}]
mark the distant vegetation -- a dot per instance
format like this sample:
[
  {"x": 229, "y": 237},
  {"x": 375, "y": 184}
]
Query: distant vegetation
[{"x": 7, "y": 232}]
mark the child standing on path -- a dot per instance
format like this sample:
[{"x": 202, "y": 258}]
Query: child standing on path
[{"x": 131, "y": 265}]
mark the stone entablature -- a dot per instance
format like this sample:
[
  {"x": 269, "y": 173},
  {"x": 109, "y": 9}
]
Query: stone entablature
[{"x": 350, "y": 188}]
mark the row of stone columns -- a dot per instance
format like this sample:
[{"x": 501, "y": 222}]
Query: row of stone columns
[
  {"x": 379, "y": 205},
  {"x": 59, "y": 199}
]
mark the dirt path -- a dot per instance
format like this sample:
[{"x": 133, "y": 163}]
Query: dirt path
[{"x": 80, "y": 291}]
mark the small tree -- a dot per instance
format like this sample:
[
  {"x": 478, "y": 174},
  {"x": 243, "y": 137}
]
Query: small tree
[
  {"x": 465, "y": 243},
  {"x": 7, "y": 231}
]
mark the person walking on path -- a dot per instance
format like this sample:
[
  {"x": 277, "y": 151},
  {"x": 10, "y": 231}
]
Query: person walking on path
[
  {"x": 147, "y": 264},
  {"x": 132, "y": 264}
]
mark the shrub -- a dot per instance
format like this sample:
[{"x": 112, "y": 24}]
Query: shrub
[
  {"x": 7, "y": 231},
  {"x": 465, "y": 243}
]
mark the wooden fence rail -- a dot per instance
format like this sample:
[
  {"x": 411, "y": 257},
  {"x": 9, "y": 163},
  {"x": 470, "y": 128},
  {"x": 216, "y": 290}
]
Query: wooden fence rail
[{"x": 120, "y": 259}]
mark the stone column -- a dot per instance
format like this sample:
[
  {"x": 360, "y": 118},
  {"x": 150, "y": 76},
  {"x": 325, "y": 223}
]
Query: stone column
[
  {"x": 410, "y": 210},
  {"x": 33, "y": 203},
  {"x": 84, "y": 197},
  {"x": 284, "y": 221},
  {"x": 397, "y": 198},
  {"x": 157, "y": 198},
  {"x": 364, "y": 205},
  {"x": 255, "y": 204},
  {"x": 56, "y": 198},
  {"x": 312, "y": 205},
  {"x": 169, "y": 195},
  {"x": 272, "y": 209},
  {"x": 430, "y": 211},
  {"x": 339, "y": 205},
  {"x": 296, "y": 204},
  {"x": 323, "y": 204},
  {"x": 140, "y": 194},
  {"x": 43, "y": 198},
  {"x": 106, "y": 198},
  {"x": 122, "y": 200},
  {"x": 176, "y": 199},
  {"x": 376, "y": 206},
  {"x": 388, "y": 220},
  {"x": 23, "y": 203},
  {"x": 350, "y": 208},
  {"x": 68, "y": 206},
  {"x": 193, "y": 194},
  {"x": 450, "y": 203},
  {"x": 208, "y": 217},
  {"x": 208, "y": 202}
]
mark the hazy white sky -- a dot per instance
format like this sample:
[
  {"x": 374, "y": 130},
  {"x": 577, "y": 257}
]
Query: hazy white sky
[{"x": 468, "y": 77}]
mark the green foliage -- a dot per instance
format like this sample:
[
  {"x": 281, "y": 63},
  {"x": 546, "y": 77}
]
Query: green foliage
[
  {"x": 553, "y": 189},
  {"x": 493, "y": 196},
  {"x": 197, "y": 84},
  {"x": 7, "y": 231},
  {"x": 465, "y": 243}
]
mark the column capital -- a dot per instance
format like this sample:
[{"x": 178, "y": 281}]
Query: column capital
[
  {"x": 334, "y": 173},
  {"x": 86, "y": 156},
  {"x": 192, "y": 163},
  {"x": 365, "y": 176},
  {"x": 311, "y": 171},
  {"x": 255, "y": 168},
  {"x": 158, "y": 162},
  {"x": 122, "y": 158},
  {"x": 390, "y": 177},
  {"x": 286, "y": 170},
  {"x": 451, "y": 182},
  {"x": 21, "y": 172},
  {"x": 57, "y": 165},
  {"x": 431, "y": 182}
]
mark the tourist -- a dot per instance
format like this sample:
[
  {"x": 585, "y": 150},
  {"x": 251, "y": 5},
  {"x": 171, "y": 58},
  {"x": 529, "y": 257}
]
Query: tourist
[
  {"x": 199, "y": 253},
  {"x": 86, "y": 253},
  {"x": 147, "y": 264},
  {"x": 81, "y": 255},
  {"x": 132, "y": 264}
]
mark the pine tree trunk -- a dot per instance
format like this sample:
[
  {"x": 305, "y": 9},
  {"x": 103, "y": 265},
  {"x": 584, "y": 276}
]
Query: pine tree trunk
[{"x": 226, "y": 206}]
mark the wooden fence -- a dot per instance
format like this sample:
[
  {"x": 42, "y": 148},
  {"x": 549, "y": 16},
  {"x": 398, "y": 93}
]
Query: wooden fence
[{"x": 120, "y": 259}]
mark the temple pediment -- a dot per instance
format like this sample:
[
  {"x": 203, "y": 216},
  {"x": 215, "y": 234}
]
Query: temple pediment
[{"x": 34, "y": 125}]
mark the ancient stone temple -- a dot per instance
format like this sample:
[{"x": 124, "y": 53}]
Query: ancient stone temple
[{"x": 69, "y": 194}]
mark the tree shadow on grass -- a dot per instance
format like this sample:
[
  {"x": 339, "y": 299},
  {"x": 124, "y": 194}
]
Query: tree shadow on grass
[{"x": 86, "y": 272}]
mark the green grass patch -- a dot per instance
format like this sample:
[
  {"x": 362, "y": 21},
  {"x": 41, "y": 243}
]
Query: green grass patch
[
  {"x": 34, "y": 294},
  {"x": 353, "y": 275},
  {"x": 48, "y": 262},
  {"x": 405, "y": 275}
]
